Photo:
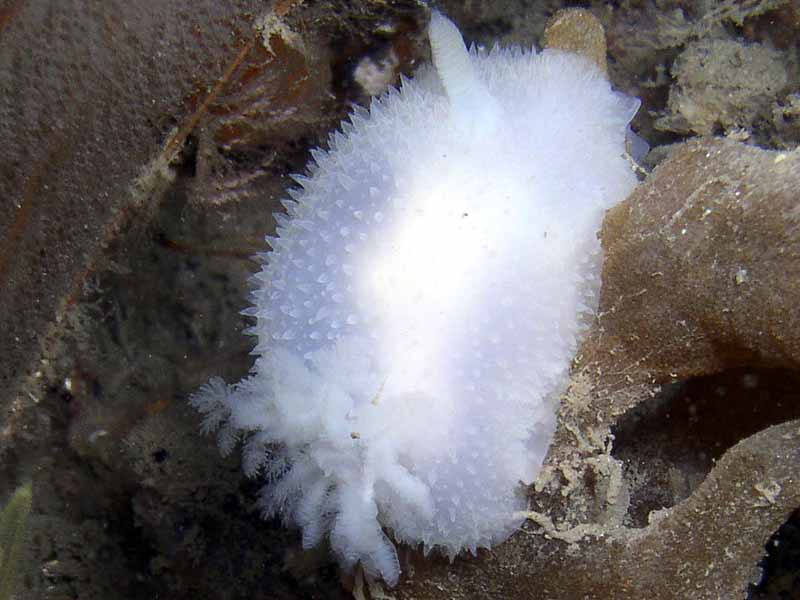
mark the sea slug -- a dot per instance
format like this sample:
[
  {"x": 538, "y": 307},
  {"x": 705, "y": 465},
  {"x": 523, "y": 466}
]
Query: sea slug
[{"x": 422, "y": 302}]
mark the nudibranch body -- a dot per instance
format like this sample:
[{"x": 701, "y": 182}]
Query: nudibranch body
[{"x": 424, "y": 297}]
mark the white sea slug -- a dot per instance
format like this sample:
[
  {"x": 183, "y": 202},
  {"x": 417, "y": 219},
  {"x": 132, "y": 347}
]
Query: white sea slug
[{"x": 418, "y": 313}]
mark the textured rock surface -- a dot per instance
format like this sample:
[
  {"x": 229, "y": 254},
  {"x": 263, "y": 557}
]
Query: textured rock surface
[
  {"x": 719, "y": 223},
  {"x": 193, "y": 119},
  {"x": 88, "y": 96},
  {"x": 724, "y": 86},
  {"x": 704, "y": 548},
  {"x": 578, "y": 31}
]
